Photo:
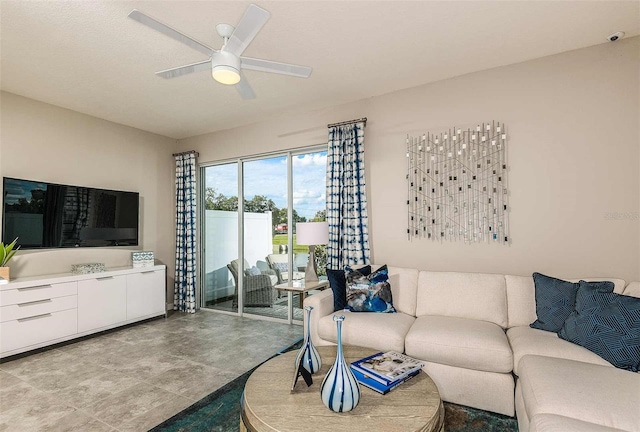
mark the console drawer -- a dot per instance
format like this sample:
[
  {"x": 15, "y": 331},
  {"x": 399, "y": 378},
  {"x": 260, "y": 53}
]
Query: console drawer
[
  {"x": 102, "y": 302},
  {"x": 37, "y": 292},
  {"x": 37, "y": 307},
  {"x": 21, "y": 333}
]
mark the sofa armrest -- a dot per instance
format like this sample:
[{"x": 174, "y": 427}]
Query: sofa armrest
[{"x": 322, "y": 304}]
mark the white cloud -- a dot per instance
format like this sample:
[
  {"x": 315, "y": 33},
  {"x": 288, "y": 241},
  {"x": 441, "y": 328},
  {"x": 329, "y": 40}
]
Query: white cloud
[
  {"x": 307, "y": 196},
  {"x": 315, "y": 159}
]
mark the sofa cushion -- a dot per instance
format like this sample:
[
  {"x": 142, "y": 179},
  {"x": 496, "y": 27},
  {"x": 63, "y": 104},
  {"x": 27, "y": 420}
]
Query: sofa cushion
[
  {"x": 556, "y": 299},
  {"x": 464, "y": 295},
  {"x": 487, "y": 391},
  {"x": 526, "y": 340},
  {"x": 404, "y": 286},
  {"x": 558, "y": 423},
  {"x": 607, "y": 324},
  {"x": 369, "y": 293},
  {"x": 592, "y": 393},
  {"x": 383, "y": 332},
  {"x": 460, "y": 342},
  {"x": 522, "y": 301},
  {"x": 633, "y": 289}
]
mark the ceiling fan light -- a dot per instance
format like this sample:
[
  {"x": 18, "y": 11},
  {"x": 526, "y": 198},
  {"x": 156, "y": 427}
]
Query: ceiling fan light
[{"x": 225, "y": 74}]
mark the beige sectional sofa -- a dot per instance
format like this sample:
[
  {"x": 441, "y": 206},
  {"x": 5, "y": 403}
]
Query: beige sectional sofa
[{"x": 472, "y": 330}]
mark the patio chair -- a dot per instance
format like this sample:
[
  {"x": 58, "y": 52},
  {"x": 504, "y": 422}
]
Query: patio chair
[
  {"x": 258, "y": 289},
  {"x": 279, "y": 263}
]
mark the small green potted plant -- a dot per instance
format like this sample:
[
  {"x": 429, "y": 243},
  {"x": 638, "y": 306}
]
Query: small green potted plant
[{"x": 6, "y": 253}]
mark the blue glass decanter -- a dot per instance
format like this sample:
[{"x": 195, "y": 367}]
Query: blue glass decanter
[
  {"x": 308, "y": 353},
  {"x": 340, "y": 391}
]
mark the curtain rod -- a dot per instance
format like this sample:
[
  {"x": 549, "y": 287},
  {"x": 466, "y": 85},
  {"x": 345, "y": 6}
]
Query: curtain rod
[
  {"x": 187, "y": 152},
  {"x": 363, "y": 119}
]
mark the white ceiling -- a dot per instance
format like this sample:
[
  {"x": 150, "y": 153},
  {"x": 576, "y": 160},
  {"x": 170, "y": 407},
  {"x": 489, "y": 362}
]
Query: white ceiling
[{"x": 89, "y": 57}]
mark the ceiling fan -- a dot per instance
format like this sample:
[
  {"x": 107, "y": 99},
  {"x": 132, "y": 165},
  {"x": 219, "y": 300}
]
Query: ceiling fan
[{"x": 226, "y": 64}]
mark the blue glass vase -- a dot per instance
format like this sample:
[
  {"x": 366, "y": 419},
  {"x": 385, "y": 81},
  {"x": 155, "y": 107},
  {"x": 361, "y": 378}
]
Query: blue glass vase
[
  {"x": 308, "y": 353},
  {"x": 340, "y": 391}
]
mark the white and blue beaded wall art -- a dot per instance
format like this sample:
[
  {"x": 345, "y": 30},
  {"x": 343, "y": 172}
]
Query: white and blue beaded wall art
[{"x": 457, "y": 185}]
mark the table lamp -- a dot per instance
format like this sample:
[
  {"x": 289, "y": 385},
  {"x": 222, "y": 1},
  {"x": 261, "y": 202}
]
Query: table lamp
[{"x": 312, "y": 234}]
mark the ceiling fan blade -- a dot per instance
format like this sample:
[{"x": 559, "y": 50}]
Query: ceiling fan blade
[
  {"x": 186, "y": 69},
  {"x": 252, "y": 21},
  {"x": 243, "y": 87},
  {"x": 275, "y": 67},
  {"x": 169, "y": 31}
]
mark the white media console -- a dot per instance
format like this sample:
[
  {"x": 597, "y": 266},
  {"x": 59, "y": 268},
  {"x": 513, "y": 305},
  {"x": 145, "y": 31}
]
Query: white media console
[{"x": 44, "y": 310}]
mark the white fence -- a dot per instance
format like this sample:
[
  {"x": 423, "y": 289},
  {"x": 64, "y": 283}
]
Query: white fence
[{"x": 221, "y": 247}]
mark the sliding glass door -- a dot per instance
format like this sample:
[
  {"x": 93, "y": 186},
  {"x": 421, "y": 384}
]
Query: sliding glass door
[
  {"x": 264, "y": 224},
  {"x": 219, "y": 242},
  {"x": 248, "y": 247}
]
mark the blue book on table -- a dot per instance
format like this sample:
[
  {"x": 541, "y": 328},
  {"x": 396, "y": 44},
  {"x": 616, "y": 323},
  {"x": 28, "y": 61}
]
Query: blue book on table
[
  {"x": 387, "y": 368},
  {"x": 369, "y": 382}
]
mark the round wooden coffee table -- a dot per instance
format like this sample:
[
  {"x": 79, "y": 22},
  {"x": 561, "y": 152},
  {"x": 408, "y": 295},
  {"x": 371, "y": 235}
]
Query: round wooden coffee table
[{"x": 269, "y": 405}]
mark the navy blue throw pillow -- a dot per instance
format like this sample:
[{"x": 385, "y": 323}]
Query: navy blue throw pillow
[
  {"x": 338, "y": 283},
  {"x": 607, "y": 324},
  {"x": 556, "y": 299}
]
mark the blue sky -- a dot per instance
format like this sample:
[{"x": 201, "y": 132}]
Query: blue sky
[{"x": 268, "y": 177}]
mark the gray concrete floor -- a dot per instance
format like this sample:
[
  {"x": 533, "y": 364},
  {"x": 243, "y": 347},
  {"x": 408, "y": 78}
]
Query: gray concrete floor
[{"x": 134, "y": 378}]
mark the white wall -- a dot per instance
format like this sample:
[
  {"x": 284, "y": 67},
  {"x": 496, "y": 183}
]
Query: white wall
[
  {"x": 574, "y": 157},
  {"x": 44, "y": 142}
]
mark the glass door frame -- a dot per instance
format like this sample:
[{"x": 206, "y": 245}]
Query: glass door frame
[{"x": 201, "y": 187}]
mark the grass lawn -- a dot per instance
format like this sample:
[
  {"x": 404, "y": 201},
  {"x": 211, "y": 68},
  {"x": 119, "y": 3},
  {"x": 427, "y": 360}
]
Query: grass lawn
[{"x": 281, "y": 239}]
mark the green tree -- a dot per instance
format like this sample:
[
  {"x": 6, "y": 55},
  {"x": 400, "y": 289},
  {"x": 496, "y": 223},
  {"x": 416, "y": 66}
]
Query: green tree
[
  {"x": 260, "y": 204},
  {"x": 320, "y": 216},
  {"x": 280, "y": 216},
  {"x": 210, "y": 198},
  {"x": 320, "y": 254},
  {"x": 218, "y": 201}
]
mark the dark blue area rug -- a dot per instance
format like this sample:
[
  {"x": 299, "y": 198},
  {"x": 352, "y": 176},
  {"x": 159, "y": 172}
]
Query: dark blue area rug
[
  {"x": 458, "y": 418},
  {"x": 220, "y": 412}
]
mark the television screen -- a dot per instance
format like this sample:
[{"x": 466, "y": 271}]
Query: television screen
[{"x": 47, "y": 215}]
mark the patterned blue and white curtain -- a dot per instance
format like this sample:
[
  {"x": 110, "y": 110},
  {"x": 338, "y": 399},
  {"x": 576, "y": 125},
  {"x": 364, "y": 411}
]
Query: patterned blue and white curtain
[
  {"x": 184, "y": 293},
  {"x": 346, "y": 197}
]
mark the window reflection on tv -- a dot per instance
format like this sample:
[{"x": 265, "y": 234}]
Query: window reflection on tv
[{"x": 47, "y": 215}]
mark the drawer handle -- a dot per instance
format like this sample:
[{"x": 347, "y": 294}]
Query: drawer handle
[
  {"x": 36, "y": 302},
  {"x": 148, "y": 272},
  {"x": 34, "y": 287},
  {"x": 104, "y": 278},
  {"x": 35, "y": 317}
]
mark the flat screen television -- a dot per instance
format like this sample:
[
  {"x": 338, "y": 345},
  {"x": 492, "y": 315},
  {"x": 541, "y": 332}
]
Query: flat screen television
[{"x": 48, "y": 215}]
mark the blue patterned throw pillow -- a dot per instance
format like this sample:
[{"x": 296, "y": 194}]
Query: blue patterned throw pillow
[
  {"x": 370, "y": 293},
  {"x": 253, "y": 271},
  {"x": 607, "y": 324},
  {"x": 338, "y": 283},
  {"x": 281, "y": 266},
  {"x": 556, "y": 299}
]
